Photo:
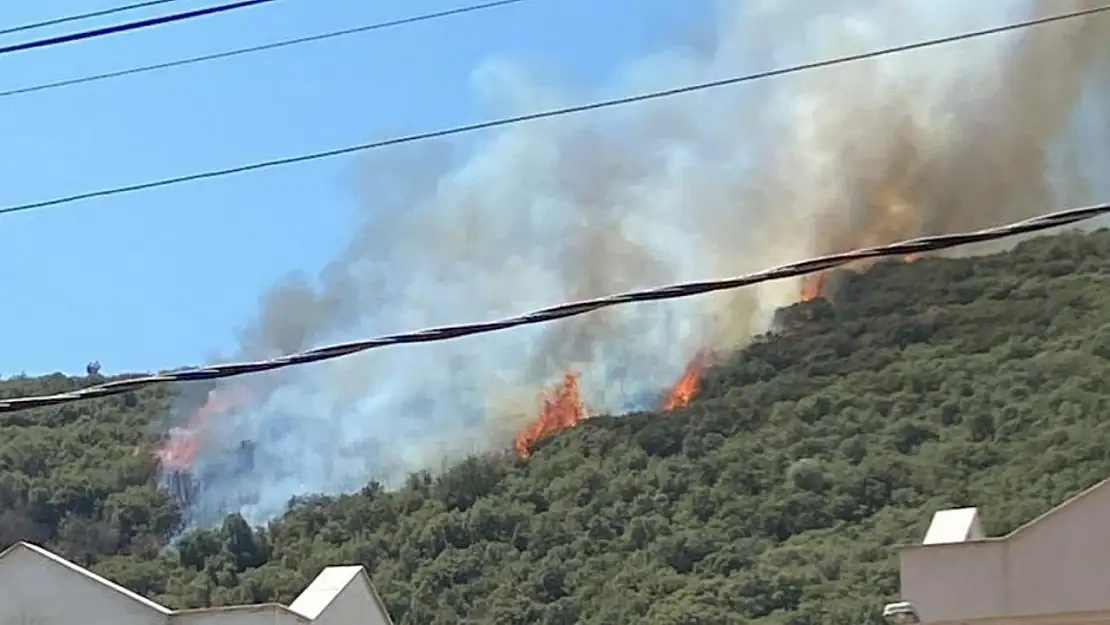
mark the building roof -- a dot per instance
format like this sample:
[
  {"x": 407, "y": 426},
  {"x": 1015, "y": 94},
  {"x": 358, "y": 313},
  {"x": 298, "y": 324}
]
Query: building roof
[
  {"x": 962, "y": 525},
  {"x": 327, "y": 585},
  {"x": 1051, "y": 566},
  {"x": 236, "y": 610},
  {"x": 307, "y": 606},
  {"x": 79, "y": 570}
]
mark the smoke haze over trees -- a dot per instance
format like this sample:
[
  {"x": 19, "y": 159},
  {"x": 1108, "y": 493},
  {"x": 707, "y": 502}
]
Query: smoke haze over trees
[
  {"x": 704, "y": 185},
  {"x": 776, "y": 497},
  {"x": 777, "y": 494}
]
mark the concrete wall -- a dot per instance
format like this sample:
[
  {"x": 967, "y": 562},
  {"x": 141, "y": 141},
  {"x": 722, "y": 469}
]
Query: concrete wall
[
  {"x": 354, "y": 605},
  {"x": 38, "y": 587},
  {"x": 38, "y": 591},
  {"x": 269, "y": 614},
  {"x": 1056, "y": 564}
]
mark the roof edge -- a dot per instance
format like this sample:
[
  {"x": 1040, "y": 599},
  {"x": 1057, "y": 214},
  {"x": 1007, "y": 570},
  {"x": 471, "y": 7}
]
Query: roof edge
[
  {"x": 73, "y": 567},
  {"x": 1084, "y": 617},
  {"x": 273, "y": 605},
  {"x": 1023, "y": 528},
  {"x": 377, "y": 598}
]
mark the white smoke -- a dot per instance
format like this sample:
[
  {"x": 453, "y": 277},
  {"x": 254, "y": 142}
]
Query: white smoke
[{"x": 696, "y": 186}]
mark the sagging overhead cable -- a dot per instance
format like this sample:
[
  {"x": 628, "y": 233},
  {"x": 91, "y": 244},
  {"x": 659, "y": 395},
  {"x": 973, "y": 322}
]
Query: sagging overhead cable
[
  {"x": 266, "y": 47},
  {"x": 509, "y": 121},
  {"x": 83, "y": 16},
  {"x": 130, "y": 26},
  {"x": 570, "y": 309}
]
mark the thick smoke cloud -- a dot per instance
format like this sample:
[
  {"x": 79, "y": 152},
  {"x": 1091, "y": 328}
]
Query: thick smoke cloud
[{"x": 703, "y": 185}]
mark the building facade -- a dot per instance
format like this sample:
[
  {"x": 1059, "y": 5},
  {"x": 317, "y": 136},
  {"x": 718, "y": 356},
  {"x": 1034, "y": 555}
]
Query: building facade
[
  {"x": 38, "y": 587},
  {"x": 1054, "y": 570}
]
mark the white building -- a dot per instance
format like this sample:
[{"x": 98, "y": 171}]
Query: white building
[
  {"x": 1054, "y": 570},
  {"x": 38, "y": 587}
]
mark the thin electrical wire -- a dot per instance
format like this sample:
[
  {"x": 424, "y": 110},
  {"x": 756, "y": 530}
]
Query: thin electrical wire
[
  {"x": 130, "y": 26},
  {"x": 572, "y": 309},
  {"x": 508, "y": 121},
  {"x": 284, "y": 43},
  {"x": 83, "y": 16}
]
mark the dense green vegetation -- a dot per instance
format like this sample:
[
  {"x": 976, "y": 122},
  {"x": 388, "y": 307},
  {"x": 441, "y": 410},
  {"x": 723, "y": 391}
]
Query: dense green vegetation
[{"x": 776, "y": 497}]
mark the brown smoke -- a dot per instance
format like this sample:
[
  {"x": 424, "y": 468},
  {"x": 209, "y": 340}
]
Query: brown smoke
[
  {"x": 698, "y": 186},
  {"x": 994, "y": 163}
]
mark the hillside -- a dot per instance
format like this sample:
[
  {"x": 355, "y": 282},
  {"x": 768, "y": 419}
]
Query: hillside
[{"x": 775, "y": 497}]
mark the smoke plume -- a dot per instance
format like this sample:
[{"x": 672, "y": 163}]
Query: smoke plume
[{"x": 696, "y": 186}]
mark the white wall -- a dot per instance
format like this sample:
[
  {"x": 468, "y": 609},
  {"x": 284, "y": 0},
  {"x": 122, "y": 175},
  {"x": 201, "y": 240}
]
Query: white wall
[
  {"x": 37, "y": 591},
  {"x": 246, "y": 615},
  {"x": 354, "y": 605}
]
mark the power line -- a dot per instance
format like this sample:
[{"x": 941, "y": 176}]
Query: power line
[
  {"x": 129, "y": 26},
  {"x": 572, "y": 309},
  {"x": 507, "y": 121},
  {"x": 260, "y": 48},
  {"x": 83, "y": 16}
]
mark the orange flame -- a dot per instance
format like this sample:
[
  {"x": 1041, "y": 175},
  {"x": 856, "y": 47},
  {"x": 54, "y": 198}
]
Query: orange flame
[
  {"x": 559, "y": 410},
  {"x": 813, "y": 286},
  {"x": 689, "y": 383},
  {"x": 564, "y": 408},
  {"x": 180, "y": 451}
]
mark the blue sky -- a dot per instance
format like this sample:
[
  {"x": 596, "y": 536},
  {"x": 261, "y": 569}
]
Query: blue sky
[{"x": 164, "y": 278}]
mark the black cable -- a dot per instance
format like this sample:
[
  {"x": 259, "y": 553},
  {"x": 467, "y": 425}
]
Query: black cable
[
  {"x": 260, "y": 48},
  {"x": 129, "y": 26},
  {"x": 507, "y": 121},
  {"x": 572, "y": 309},
  {"x": 84, "y": 16}
]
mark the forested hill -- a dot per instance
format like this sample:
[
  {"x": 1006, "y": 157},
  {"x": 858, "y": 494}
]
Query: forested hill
[{"x": 776, "y": 497}]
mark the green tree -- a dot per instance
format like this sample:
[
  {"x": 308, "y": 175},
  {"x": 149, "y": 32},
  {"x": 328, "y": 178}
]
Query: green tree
[{"x": 774, "y": 498}]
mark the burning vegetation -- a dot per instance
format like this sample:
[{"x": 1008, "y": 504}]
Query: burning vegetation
[
  {"x": 177, "y": 455},
  {"x": 560, "y": 408},
  {"x": 179, "y": 450},
  {"x": 926, "y": 163},
  {"x": 886, "y": 217},
  {"x": 564, "y": 407},
  {"x": 817, "y": 284},
  {"x": 689, "y": 383}
]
